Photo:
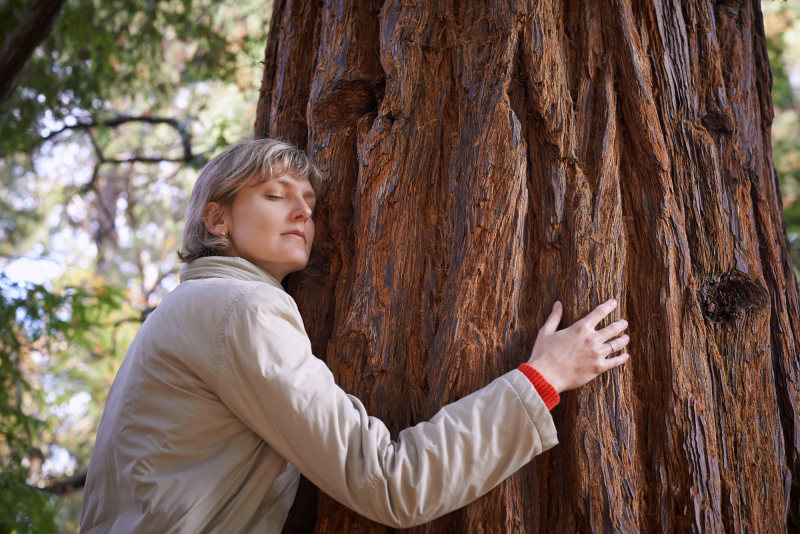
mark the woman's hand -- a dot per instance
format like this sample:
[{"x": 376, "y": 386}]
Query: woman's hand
[{"x": 571, "y": 357}]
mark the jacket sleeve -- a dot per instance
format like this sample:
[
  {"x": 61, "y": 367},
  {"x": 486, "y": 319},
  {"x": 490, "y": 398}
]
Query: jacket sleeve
[{"x": 268, "y": 377}]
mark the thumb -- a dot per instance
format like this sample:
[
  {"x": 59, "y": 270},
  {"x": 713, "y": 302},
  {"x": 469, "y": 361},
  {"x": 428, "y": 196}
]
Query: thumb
[{"x": 552, "y": 321}]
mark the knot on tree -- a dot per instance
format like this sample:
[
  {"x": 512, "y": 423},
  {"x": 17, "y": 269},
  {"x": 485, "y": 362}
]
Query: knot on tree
[
  {"x": 344, "y": 102},
  {"x": 719, "y": 121},
  {"x": 731, "y": 295}
]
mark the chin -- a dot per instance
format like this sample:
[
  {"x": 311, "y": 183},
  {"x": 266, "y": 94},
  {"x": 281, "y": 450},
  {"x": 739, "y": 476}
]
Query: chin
[{"x": 298, "y": 266}]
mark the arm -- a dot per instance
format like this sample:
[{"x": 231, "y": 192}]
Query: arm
[{"x": 271, "y": 381}]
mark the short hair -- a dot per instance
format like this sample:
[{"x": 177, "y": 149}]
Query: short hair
[{"x": 242, "y": 164}]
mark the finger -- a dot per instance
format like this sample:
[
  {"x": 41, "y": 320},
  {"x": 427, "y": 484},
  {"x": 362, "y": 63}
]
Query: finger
[
  {"x": 551, "y": 324},
  {"x": 616, "y": 344},
  {"x": 594, "y": 317},
  {"x": 612, "y": 330},
  {"x": 616, "y": 361}
]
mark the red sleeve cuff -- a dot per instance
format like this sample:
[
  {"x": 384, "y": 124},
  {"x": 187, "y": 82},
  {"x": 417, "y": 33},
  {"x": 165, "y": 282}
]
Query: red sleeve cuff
[{"x": 545, "y": 390}]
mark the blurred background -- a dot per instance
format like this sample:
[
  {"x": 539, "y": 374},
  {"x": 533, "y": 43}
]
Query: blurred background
[{"x": 113, "y": 116}]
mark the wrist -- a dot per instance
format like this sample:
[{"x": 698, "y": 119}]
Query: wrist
[
  {"x": 549, "y": 373},
  {"x": 544, "y": 388}
]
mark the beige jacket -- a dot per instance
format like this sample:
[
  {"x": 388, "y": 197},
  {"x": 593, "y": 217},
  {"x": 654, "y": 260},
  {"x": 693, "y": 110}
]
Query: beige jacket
[{"x": 219, "y": 403}]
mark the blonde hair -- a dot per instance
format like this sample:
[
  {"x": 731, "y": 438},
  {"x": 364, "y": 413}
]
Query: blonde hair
[{"x": 238, "y": 166}]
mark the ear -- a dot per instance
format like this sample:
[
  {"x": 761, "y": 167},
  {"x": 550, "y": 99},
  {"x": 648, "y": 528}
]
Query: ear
[{"x": 215, "y": 218}]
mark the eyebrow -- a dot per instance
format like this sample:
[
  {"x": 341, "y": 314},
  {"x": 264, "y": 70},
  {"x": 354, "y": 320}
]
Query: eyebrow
[{"x": 306, "y": 194}]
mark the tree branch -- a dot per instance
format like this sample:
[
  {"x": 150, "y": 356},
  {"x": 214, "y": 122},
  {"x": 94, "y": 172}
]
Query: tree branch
[
  {"x": 67, "y": 485},
  {"x": 143, "y": 159},
  {"x": 34, "y": 28},
  {"x": 114, "y": 122},
  {"x": 179, "y": 126}
]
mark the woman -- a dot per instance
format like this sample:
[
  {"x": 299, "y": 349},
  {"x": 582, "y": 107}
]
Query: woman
[{"x": 219, "y": 404}]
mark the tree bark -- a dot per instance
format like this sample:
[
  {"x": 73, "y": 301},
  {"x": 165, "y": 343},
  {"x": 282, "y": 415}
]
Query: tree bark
[
  {"x": 485, "y": 159},
  {"x": 34, "y": 28}
]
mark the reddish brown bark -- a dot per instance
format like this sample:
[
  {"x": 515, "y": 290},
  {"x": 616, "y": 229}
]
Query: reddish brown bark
[{"x": 483, "y": 160}]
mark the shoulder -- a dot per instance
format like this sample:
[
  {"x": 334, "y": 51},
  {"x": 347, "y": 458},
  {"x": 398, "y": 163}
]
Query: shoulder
[
  {"x": 264, "y": 328},
  {"x": 229, "y": 300},
  {"x": 260, "y": 298},
  {"x": 224, "y": 290},
  {"x": 253, "y": 308}
]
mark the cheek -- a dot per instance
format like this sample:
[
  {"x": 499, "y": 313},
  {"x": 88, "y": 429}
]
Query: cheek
[
  {"x": 256, "y": 222},
  {"x": 241, "y": 215}
]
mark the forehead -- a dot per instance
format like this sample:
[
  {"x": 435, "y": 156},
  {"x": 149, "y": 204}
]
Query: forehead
[{"x": 287, "y": 178}]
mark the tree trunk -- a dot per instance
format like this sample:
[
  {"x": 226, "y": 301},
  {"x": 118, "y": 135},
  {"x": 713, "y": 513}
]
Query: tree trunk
[
  {"x": 34, "y": 28},
  {"x": 485, "y": 159}
]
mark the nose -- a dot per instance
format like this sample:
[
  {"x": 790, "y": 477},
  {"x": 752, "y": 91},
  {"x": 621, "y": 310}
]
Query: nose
[{"x": 302, "y": 211}]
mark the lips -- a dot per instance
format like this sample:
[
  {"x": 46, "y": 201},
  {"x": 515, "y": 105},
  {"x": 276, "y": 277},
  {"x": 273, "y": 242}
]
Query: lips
[{"x": 299, "y": 233}]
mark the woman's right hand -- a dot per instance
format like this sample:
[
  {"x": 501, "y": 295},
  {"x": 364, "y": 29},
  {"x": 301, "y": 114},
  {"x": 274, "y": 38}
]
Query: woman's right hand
[{"x": 571, "y": 357}]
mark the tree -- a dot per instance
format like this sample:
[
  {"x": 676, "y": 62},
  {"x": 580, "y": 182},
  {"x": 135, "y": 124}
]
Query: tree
[
  {"x": 483, "y": 160},
  {"x": 29, "y": 33}
]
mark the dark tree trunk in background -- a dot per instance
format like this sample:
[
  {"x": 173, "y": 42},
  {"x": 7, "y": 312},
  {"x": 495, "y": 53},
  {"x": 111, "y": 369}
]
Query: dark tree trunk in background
[
  {"x": 34, "y": 28},
  {"x": 485, "y": 159}
]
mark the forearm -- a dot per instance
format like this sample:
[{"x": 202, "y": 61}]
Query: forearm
[{"x": 464, "y": 451}]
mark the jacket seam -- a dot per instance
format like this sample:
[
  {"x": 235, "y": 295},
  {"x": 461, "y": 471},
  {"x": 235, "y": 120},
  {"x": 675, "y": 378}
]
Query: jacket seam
[{"x": 223, "y": 333}]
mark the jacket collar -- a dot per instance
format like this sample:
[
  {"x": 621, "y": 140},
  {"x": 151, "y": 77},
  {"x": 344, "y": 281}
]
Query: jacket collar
[{"x": 226, "y": 267}]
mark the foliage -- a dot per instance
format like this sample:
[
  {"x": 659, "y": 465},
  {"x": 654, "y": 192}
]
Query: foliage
[
  {"x": 100, "y": 142},
  {"x": 782, "y": 25},
  {"x": 190, "y": 61},
  {"x": 101, "y": 51},
  {"x": 36, "y": 322}
]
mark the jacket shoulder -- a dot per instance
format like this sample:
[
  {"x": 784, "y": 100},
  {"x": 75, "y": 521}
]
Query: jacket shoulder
[{"x": 227, "y": 293}]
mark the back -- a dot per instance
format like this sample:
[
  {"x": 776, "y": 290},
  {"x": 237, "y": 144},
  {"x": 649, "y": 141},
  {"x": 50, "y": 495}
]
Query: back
[{"x": 168, "y": 449}]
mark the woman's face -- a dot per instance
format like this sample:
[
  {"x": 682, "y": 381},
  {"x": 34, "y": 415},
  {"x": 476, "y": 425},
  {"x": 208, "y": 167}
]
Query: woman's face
[{"x": 270, "y": 224}]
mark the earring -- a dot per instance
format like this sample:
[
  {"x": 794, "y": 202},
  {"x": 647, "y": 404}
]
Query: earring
[{"x": 223, "y": 235}]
